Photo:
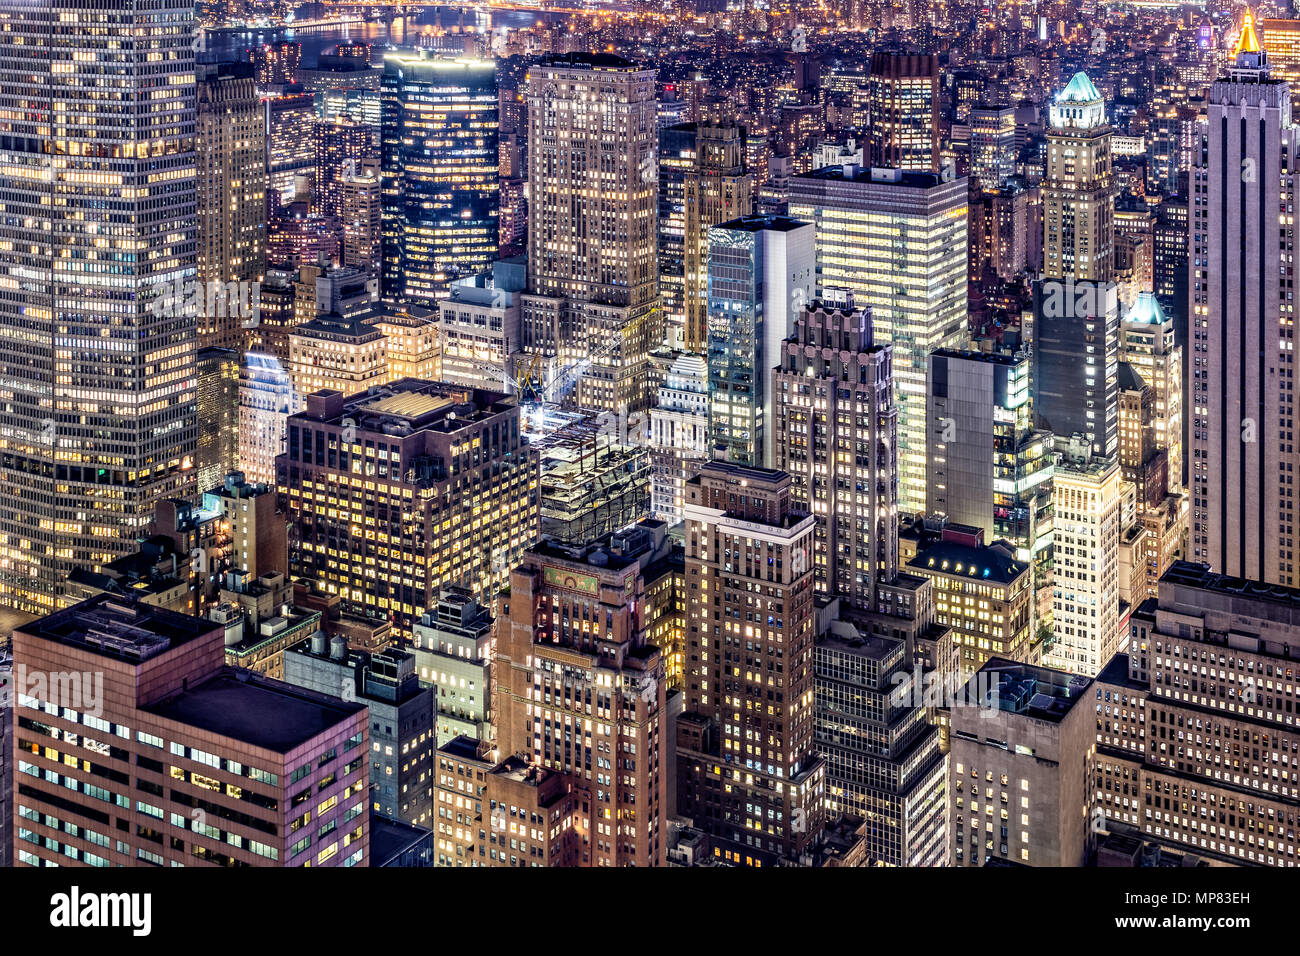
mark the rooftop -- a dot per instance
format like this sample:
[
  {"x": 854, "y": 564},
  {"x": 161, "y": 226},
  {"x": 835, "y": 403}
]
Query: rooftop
[
  {"x": 763, "y": 224},
  {"x": 985, "y": 563},
  {"x": 1037, "y": 692},
  {"x": 247, "y": 707},
  {"x": 911, "y": 178},
  {"x": 114, "y": 628},
  {"x": 1080, "y": 89}
]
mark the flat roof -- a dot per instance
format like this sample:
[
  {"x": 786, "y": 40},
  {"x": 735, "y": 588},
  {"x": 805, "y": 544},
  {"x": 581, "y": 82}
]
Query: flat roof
[
  {"x": 980, "y": 564},
  {"x": 256, "y": 710},
  {"x": 114, "y": 627}
]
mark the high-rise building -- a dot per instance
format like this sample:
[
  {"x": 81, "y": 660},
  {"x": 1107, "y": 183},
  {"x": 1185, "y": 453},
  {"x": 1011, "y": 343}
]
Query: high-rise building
[
  {"x": 761, "y": 274},
  {"x": 341, "y": 146},
  {"x": 217, "y": 449},
  {"x": 401, "y": 714},
  {"x": 1281, "y": 38},
  {"x": 333, "y": 352},
  {"x": 1075, "y": 382},
  {"x": 266, "y": 400},
  {"x": 454, "y": 647},
  {"x": 897, "y": 241},
  {"x": 1148, "y": 342},
  {"x": 1242, "y": 410},
  {"x": 99, "y": 234},
  {"x": 1213, "y": 656},
  {"x": 440, "y": 163},
  {"x": 679, "y": 435},
  {"x": 290, "y": 124},
  {"x": 207, "y": 766},
  {"x": 884, "y": 764},
  {"x": 231, "y": 151},
  {"x": 478, "y": 326},
  {"x": 676, "y": 162},
  {"x": 717, "y": 190},
  {"x": 992, "y": 145},
  {"x": 1018, "y": 772},
  {"x": 403, "y": 489},
  {"x": 833, "y": 391},
  {"x": 574, "y": 647},
  {"x": 361, "y": 216},
  {"x": 1079, "y": 187},
  {"x": 904, "y": 95},
  {"x": 748, "y": 773},
  {"x": 1085, "y": 565},
  {"x": 592, "y": 306}
]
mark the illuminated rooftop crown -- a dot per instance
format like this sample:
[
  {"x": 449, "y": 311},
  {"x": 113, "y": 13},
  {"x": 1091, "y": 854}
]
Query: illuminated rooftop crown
[
  {"x": 1250, "y": 53},
  {"x": 1078, "y": 106}
]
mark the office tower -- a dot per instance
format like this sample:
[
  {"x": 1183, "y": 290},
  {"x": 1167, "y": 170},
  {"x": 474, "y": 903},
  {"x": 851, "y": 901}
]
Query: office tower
[
  {"x": 999, "y": 237},
  {"x": 1213, "y": 656},
  {"x": 479, "y": 326},
  {"x": 290, "y": 124},
  {"x": 676, "y": 162},
  {"x": 1149, "y": 343},
  {"x": 748, "y": 773},
  {"x": 231, "y": 153},
  {"x": 717, "y": 190},
  {"x": 593, "y": 281},
  {"x": 992, "y": 145},
  {"x": 6, "y": 765},
  {"x": 443, "y": 492},
  {"x": 276, "y": 64},
  {"x": 1174, "y": 136},
  {"x": 217, "y": 405},
  {"x": 411, "y": 343},
  {"x": 989, "y": 467},
  {"x": 266, "y": 400},
  {"x": 296, "y": 236},
  {"x": 897, "y": 241},
  {"x": 574, "y": 647},
  {"x": 1018, "y": 772},
  {"x": 1281, "y": 38},
  {"x": 454, "y": 645},
  {"x": 591, "y": 485},
  {"x": 400, "y": 711},
  {"x": 884, "y": 764},
  {"x": 1242, "y": 409},
  {"x": 342, "y": 354},
  {"x": 340, "y": 147},
  {"x": 254, "y": 531},
  {"x": 226, "y": 768},
  {"x": 679, "y": 434},
  {"x": 1085, "y": 568},
  {"x": 1076, "y": 361},
  {"x": 1079, "y": 187},
  {"x": 276, "y": 313},
  {"x": 760, "y": 276},
  {"x": 904, "y": 96},
  {"x": 361, "y": 216},
  {"x": 97, "y": 428},
  {"x": 440, "y": 174},
  {"x": 832, "y": 391}
]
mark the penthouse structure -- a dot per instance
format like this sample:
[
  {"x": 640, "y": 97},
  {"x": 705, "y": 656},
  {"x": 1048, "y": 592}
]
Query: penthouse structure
[
  {"x": 402, "y": 489},
  {"x": 167, "y": 758},
  {"x": 1196, "y": 738}
]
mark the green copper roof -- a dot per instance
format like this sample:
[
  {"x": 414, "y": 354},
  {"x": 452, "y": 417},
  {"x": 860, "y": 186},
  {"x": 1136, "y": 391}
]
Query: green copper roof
[
  {"x": 1146, "y": 309},
  {"x": 1079, "y": 90}
]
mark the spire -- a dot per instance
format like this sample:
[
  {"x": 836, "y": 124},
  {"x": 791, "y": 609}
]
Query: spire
[{"x": 1248, "y": 42}]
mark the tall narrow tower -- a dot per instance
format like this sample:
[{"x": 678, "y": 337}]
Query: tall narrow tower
[
  {"x": 1079, "y": 189},
  {"x": 717, "y": 190},
  {"x": 98, "y": 232},
  {"x": 1242, "y": 408}
]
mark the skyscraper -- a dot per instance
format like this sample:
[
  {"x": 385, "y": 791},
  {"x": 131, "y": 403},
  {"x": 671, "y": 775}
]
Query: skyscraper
[
  {"x": 760, "y": 276},
  {"x": 992, "y": 145},
  {"x": 717, "y": 190},
  {"x": 341, "y": 147},
  {"x": 748, "y": 773},
  {"x": 592, "y": 305},
  {"x": 231, "y": 196},
  {"x": 98, "y": 234},
  {"x": 904, "y": 94},
  {"x": 676, "y": 162},
  {"x": 833, "y": 390},
  {"x": 897, "y": 241},
  {"x": 1078, "y": 190},
  {"x": 440, "y": 162},
  {"x": 1242, "y": 407}
]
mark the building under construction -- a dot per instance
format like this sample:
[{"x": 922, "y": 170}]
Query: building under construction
[{"x": 591, "y": 482}]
